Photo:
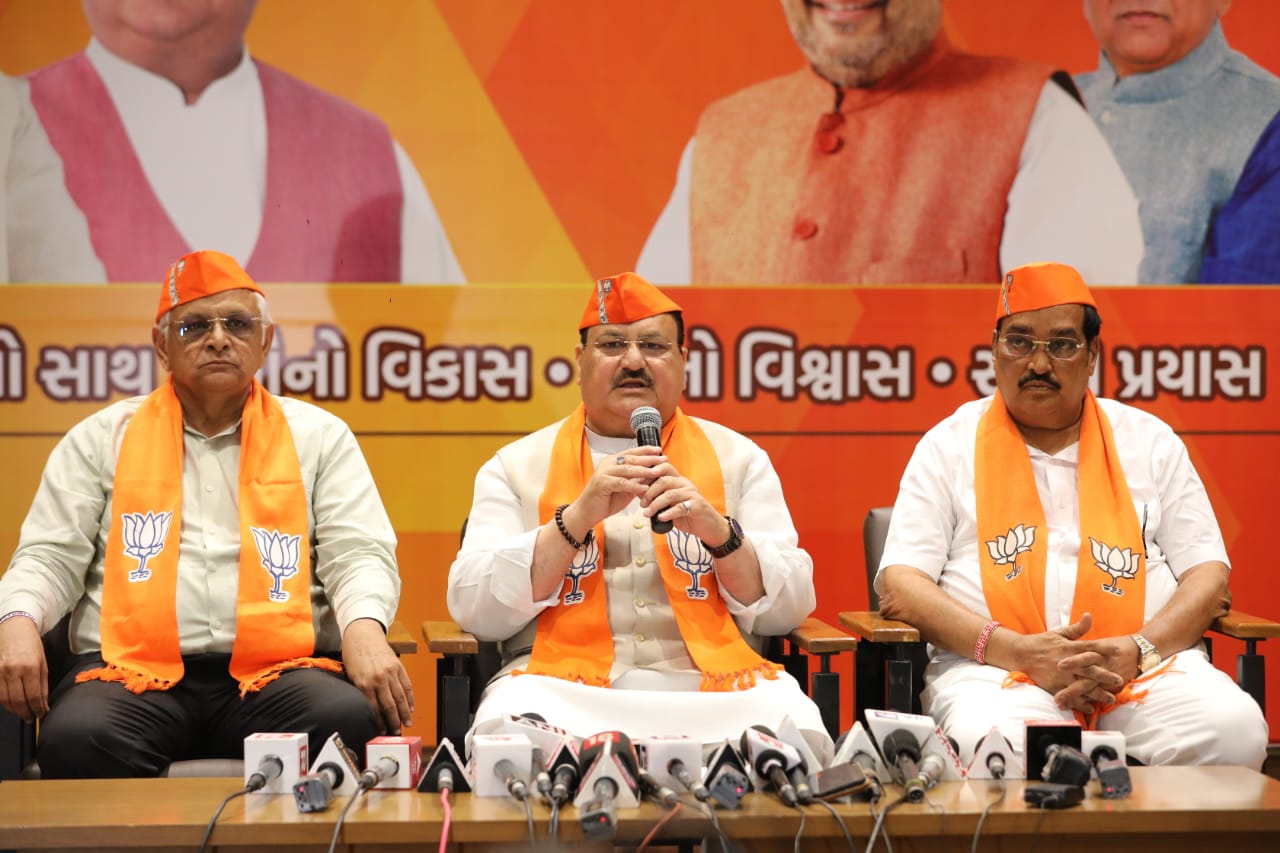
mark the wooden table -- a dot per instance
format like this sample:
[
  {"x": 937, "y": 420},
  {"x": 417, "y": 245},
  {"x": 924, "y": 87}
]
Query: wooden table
[{"x": 1172, "y": 808}]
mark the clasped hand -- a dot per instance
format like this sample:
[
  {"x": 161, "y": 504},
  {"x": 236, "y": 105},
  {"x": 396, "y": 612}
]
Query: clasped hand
[
  {"x": 645, "y": 473},
  {"x": 1082, "y": 675}
]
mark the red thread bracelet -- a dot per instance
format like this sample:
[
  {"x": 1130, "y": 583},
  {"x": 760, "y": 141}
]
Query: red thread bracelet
[{"x": 980, "y": 647}]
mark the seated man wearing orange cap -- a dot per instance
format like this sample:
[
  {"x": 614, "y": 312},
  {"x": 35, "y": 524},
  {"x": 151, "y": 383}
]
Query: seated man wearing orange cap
[
  {"x": 594, "y": 610},
  {"x": 1059, "y": 553},
  {"x": 219, "y": 550}
]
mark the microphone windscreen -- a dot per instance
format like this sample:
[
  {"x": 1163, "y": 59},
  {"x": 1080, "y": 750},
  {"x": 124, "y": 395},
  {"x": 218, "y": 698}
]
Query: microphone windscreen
[{"x": 646, "y": 416}]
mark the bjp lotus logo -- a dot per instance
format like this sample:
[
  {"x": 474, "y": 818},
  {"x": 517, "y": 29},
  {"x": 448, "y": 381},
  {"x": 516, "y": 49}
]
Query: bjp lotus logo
[
  {"x": 692, "y": 559},
  {"x": 584, "y": 563},
  {"x": 144, "y": 537},
  {"x": 1115, "y": 561},
  {"x": 279, "y": 553},
  {"x": 1005, "y": 549}
]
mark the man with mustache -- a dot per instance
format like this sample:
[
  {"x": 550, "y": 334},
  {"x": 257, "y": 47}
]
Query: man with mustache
[
  {"x": 224, "y": 555},
  {"x": 1182, "y": 111},
  {"x": 603, "y": 623},
  {"x": 894, "y": 157},
  {"x": 1059, "y": 553}
]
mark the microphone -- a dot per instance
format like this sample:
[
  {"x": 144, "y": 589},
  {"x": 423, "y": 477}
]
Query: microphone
[
  {"x": 564, "y": 772},
  {"x": 727, "y": 779},
  {"x": 646, "y": 423},
  {"x": 384, "y": 769},
  {"x": 270, "y": 767},
  {"x": 314, "y": 791},
  {"x": 771, "y": 759},
  {"x": 274, "y": 761},
  {"x": 1113, "y": 773},
  {"x": 991, "y": 757},
  {"x": 677, "y": 769},
  {"x": 857, "y": 748},
  {"x": 1065, "y": 765},
  {"x": 445, "y": 771},
  {"x": 504, "y": 770},
  {"x": 669, "y": 757},
  {"x": 609, "y": 778},
  {"x": 902, "y": 748},
  {"x": 660, "y": 792}
]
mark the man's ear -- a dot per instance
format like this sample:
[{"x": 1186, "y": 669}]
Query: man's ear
[{"x": 160, "y": 345}]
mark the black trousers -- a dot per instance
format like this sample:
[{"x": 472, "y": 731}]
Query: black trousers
[{"x": 99, "y": 729}]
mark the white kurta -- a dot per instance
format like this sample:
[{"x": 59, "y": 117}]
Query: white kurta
[
  {"x": 654, "y": 683},
  {"x": 1198, "y": 716}
]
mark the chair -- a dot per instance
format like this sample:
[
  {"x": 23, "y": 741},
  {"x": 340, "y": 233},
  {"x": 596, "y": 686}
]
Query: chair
[
  {"x": 466, "y": 665},
  {"x": 18, "y": 738},
  {"x": 893, "y": 657}
]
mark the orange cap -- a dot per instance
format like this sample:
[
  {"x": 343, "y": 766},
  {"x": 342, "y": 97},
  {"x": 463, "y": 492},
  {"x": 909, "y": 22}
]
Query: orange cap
[
  {"x": 624, "y": 298},
  {"x": 196, "y": 275},
  {"x": 1035, "y": 286}
]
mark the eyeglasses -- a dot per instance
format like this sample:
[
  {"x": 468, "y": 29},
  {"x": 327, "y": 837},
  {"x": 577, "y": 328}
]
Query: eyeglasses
[
  {"x": 1022, "y": 346},
  {"x": 241, "y": 326},
  {"x": 618, "y": 347}
]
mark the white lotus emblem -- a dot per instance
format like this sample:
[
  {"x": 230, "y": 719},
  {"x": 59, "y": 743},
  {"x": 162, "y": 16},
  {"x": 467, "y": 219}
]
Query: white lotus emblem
[
  {"x": 1005, "y": 549},
  {"x": 1116, "y": 562}
]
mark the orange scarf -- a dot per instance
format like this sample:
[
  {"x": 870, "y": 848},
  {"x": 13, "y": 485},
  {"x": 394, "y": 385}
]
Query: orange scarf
[
  {"x": 1012, "y": 533},
  {"x": 574, "y": 641},
  {"x": 274, "y": 631}
]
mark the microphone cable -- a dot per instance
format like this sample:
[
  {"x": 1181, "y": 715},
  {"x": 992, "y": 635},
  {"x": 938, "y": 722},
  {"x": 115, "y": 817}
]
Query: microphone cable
[
  {"x": 875, "y": 830},
  {"x": 448, "y": 820},
  {"x": 208, "y": 830},
  {"x": 528, "y": 816},
  {"x": 848, "y": 839},
  {"x": 800, "y": 831},
  {"x": 342, "y": 816},
  {"x": 553, "y": 825},
  {"x": 708, "y": 811},
  {"x": 995, "y": 763},
  {"x": 657, "y": 827}
]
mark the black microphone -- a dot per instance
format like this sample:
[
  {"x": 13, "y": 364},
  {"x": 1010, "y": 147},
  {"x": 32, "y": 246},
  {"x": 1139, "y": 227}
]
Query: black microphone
[
  {"x": 564, "y": 773},
  {"x": 379, "y": 773},
  {"x": 1113, "y": 773},
  {"x": 314, "y": 791},
  {"x": 903, "y": 751},
  {"x": 656, "y": 789},
  {"x": 1065, "y": 765},
  {"x": 646, "y": 423},
  {"x": 768, "y": 758},
  {"x": 270, "y": 767}
]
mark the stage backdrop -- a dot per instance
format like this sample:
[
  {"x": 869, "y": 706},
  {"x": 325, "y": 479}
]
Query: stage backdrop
[{"x": 836, "y": 383}]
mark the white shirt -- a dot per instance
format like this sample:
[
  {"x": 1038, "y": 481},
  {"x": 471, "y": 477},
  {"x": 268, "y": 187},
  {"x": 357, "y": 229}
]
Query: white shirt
[
  {"x": 207, "y": 164},
  {"x": 935, "y": 525},
  {"x": 43, "y": 235},
  {"x": 1070, "y": 198},
  {"x": 62, "y": 546}
]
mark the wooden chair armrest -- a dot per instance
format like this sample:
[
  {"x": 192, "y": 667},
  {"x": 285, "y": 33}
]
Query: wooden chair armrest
[
  {"x": 869, "y": 626},
  {"x": 818, "y": 638},
  {"x": 1243, "y": 626},
  {"x": 446, "y": 638},
  {"x": 400, "y": 640}
]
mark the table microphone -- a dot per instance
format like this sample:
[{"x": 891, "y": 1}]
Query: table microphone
[
  {"x": 646, "y": 423},
  {"x": 270, "y": 767},
  {"x": 768, "y": 756},
  {"x": 379, "y": 773},
  {"x": 314, "y": 791}
]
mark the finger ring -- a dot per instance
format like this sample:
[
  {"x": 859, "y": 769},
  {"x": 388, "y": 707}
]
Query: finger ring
[
  {"x": 622, "y": 460},
  {"x": 688, "y": 508}
]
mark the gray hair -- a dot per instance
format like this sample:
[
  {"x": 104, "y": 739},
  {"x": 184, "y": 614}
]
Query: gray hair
[{"x": 259, "y": 303}]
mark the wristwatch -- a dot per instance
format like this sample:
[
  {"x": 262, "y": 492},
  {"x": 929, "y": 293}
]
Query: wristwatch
[
  {"x": 1148, "y": 654},
  {"x": 734, "y": 542}
]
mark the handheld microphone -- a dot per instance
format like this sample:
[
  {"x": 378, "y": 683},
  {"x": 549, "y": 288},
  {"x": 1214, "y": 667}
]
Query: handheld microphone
[
  {"x": 646, "y": 423},
  {"x": 609, "y": 777},
  {"x": 270, "y": 767},
  {"x": 314, "y": 791},
  {"x": 384, "y": 769},
  {"x": 771, "y": 758}
]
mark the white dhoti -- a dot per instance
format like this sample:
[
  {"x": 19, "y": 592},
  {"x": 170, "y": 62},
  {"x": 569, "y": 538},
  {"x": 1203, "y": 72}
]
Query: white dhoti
[
  {"x": 1193, "y": 713},
  {"x": 645, "y": 703}
]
